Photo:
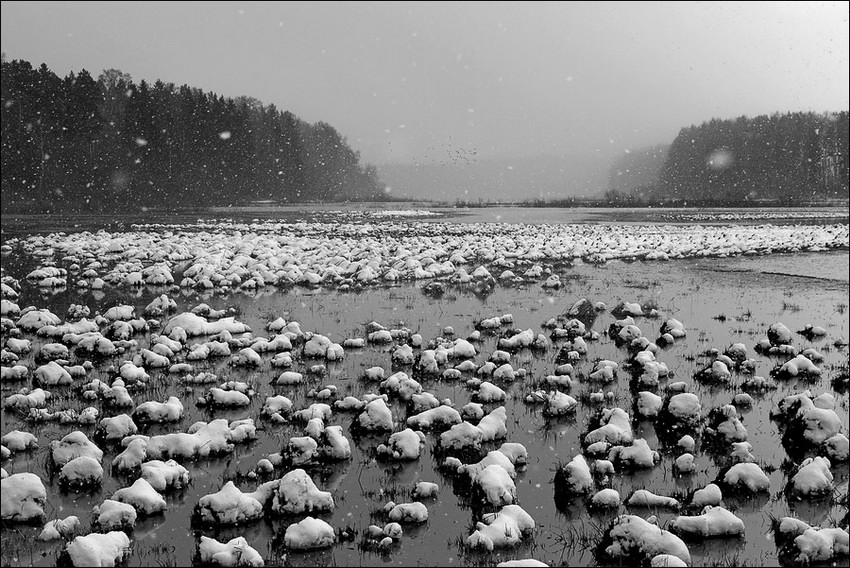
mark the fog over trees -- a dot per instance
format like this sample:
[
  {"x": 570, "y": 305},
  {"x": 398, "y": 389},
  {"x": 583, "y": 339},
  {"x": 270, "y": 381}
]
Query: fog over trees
[{"x": 781, "y": 158}]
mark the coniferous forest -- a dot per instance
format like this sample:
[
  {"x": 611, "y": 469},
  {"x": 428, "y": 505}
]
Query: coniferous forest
[
  {"x": 789, "y": 158},
  {"x": 81, "y": 143}
]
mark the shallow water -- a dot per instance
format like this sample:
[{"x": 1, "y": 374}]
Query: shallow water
[{"x": 719, "y": 300}]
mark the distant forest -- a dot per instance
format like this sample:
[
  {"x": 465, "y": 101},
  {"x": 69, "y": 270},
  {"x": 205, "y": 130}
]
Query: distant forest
[
  {"x": 84, "y": 144},
  {"x": 782, "y": 159}
]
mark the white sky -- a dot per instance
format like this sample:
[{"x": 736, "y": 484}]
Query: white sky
[{"x": 429, "y": 81}]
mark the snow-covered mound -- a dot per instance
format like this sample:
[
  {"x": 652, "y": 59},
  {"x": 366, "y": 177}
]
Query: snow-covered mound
[
  {"x": 23, "y": 497},
  {"x": 297, "y": 494},
  {"x": 504, "y": 529},
  {"x": 632, "y": 535},
  {"x": 235, "y": 552},
  {"x": 714, "y": 521},
  {"x": 404, "y": 445},
  {"x": 114, "y": 516},
  {"x": 60, "y": 528},
  {"x": 99, "y": 549},
  {"x": 144, "y": 498},
  {"x": 309, "y": 534}
]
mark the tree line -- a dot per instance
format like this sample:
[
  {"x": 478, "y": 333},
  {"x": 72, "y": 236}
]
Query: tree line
[
  {"x": 795, "y": 157},
  {"x": 106, "y": 144}
]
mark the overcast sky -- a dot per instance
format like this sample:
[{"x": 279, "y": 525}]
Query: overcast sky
[{"x": 426, "y": 82}]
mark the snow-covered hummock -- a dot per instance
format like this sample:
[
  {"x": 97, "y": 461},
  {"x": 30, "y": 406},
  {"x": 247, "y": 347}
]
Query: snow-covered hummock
[
  {"x": 576, "y": 476},
  {"x": 709, "y": 495},
  {"x": 644, "y": 498},
  {"x": 401, "y": 385},
  {"x": 615, "y": 428},
  {"x": 276, "y": 407},
  {"x": 496, "y": 485},
  {"x": 226, "y": 398},
  {"x": 334, "y": 445},
  {"x": 152, "y": 411},
  {"x": 714, "y": 521},
  {"x": 235, "y": 552},
  {"x": 195, "y": 325},
  {"x": 374, "y": 374},
  {"x": 301, "y": 449},
  {"x": 52, "y": 374},
  {"x": 165, "y": 475},
  {"x": 559, "y": 404},
  {"x": 440, "y": 417},
  {"x": 687, "y": 443},
  {"x": 376, "y": 416},
  {"x": 114, "y": 516},
  {"x": 461, "y": 436},
  {"x": 14, "y": 373},
  {"x": 633, "y": 535},
  {"x": 80, "y": 471},
  {"x": 309, "y": 534},
  {"x": 229, "y": 506},
  {"x": 813, "y": 477},
  {"x": 247, "y": 357},
  {"x": 74, "y": 445},
  {"x": 497, "y": 457},
  {"x": 488, "y": 392},
  {"x": 99, "y": 549},
  {"x": 523, "y": 563},
  {"x": 406, "y": 512},
  {"x": 799, "y": 366},
  {"x": 685, "y": 408},
  {"x": 821, "y": 544},
  {"x": 649, "y": 404},
  {"x": 718, "y": 371},
  {"x": 727, "y": 425},
  {"x": 142, "y": 496},
  {"x": 779, "y": 334},
  {"x": 819, "y": 424},
  {"x": 747, "y": 475},
  {"x": 685, "y": 463},
  {"x": 425, "y": 490},
  {"x": 404, "y": 445},
  {"x": 421, "y": 402},
  {"x": 674, "y": 327},
  {"x": 290, "y": 378},
  {"x": 607, "y": 498},
  {"x": 60, "y": 528},
  {"x": 504, "y": 529},
  {"x": 201, "y": 440},
  {"x": 667, "y": 561},
  {"x": 25, "y": 398},
  {"x": 116, "y": 427},
  {"x": 297, "y": 494},
  {"x": 22, "y": 497},
  {"x": 604, "y": 370},
  {"x": 837, "y": 448},
  {"x": 638, "y": 455},
  {"x": 403, "y": 355},
  {"x": 36, "y": 319},
  {"x": 17, "y": 441}
]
